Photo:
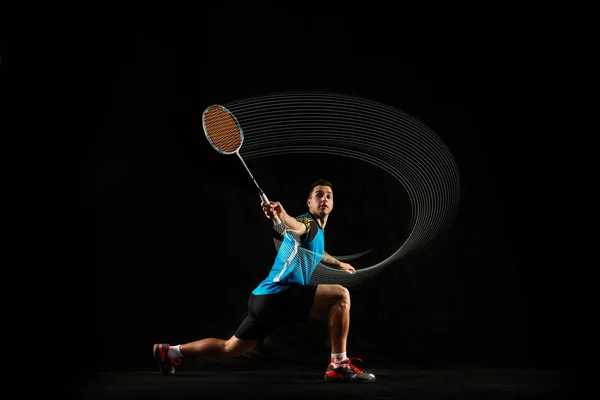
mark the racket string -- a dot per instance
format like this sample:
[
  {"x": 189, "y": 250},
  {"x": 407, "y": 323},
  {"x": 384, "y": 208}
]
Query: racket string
[{"x": 222, "y": 129}]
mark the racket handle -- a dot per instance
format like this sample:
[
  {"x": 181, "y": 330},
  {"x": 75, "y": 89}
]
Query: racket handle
[{"x": 263, "y": 197}]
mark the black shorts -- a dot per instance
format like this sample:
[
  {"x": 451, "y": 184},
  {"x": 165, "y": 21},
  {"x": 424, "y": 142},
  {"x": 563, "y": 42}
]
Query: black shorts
[{"x": 268, "y": 312}]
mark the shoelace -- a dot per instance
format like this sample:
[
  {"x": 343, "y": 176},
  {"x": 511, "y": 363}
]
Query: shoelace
[{"x": 354, "y": 367}]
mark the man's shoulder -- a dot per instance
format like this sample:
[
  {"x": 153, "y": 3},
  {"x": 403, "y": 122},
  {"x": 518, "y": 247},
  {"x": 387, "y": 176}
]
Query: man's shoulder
[
  {"x": 312, "y": 228},
  {"x": 305, "y": 218}
]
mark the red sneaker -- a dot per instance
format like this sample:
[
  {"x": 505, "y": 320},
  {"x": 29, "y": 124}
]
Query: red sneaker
[
  {"x": 165, "y": 361},
  {"x": 347, "y": 372}
]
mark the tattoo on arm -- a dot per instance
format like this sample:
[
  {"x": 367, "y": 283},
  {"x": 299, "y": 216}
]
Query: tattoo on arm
[{"x": 330, "y": 260}]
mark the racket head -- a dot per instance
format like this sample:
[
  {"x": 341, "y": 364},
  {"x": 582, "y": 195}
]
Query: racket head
[{"x": 222, "y": 129}]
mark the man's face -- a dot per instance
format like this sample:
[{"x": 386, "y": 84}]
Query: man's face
[{"x": 320, "y": 202}]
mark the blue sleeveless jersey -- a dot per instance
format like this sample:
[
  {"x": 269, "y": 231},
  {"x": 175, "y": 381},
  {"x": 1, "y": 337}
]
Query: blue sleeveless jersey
[{"x": 297, "y": 258}]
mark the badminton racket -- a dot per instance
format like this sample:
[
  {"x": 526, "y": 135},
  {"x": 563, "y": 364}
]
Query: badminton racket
[{"x": 225, "y": 134}]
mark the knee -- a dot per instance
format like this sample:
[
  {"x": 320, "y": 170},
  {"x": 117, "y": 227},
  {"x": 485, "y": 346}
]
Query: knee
[
  {"x": 235, "y": 347},
  {"x": 343, "y": 296}
]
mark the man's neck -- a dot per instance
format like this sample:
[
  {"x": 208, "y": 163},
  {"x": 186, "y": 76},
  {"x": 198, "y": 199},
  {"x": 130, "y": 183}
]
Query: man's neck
[{"x": 321, "y": 221}]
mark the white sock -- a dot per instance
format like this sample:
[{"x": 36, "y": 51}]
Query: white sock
[
  {"x": 174, "y": 352},
  {"x": 337, "y": 358}
]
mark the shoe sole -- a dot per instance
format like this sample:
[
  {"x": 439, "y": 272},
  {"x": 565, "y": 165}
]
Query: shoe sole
[{"x": 342, "y": 380}]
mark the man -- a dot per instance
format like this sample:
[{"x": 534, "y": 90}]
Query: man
[{"x": 286, "y": 296}]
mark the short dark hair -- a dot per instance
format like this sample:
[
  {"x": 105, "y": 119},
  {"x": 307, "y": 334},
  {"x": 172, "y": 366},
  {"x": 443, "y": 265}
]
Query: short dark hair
[{"x": 319, "y": 182}]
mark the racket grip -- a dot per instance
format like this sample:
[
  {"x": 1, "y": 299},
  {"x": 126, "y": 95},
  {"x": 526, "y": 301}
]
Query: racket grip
[{"x": 263, "y": 197}]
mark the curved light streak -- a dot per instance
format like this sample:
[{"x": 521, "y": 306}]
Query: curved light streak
[{"x": 355, "y": 127}]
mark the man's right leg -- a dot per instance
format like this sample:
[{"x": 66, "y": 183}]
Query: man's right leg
[{"x": 213, "y": 347}]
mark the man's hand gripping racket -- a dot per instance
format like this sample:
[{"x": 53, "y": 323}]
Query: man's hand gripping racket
[{"x": 225, "y": 134}]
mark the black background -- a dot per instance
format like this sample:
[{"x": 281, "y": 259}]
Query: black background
[{"x": 169, "y": 237}]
